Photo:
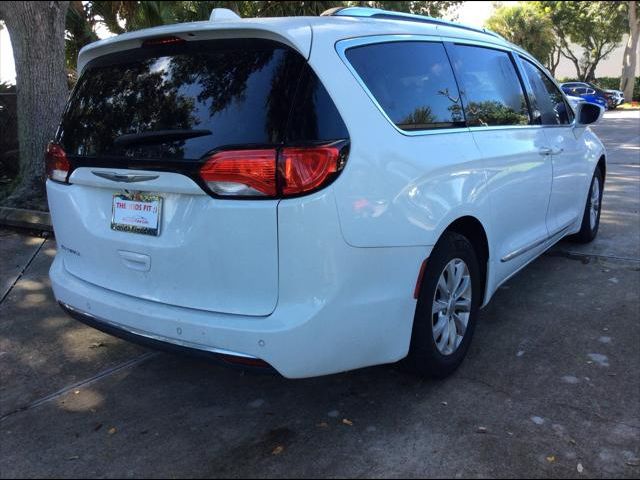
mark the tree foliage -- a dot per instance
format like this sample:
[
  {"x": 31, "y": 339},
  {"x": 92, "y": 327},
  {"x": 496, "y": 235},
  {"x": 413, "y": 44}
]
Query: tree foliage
[
  {"x": 432, "y": 9},
  {"x": 122, "y": 16},
  {"x": 526, "y": 25},
  {"x": 595, "y": 27}
]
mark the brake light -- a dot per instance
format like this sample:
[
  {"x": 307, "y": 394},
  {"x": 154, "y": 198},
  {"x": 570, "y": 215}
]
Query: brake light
[
  {"x": 267, "y": 173},
  {"x": 241, "y": 173},
  {"x": 305, "y": 169},
  {"x": 170, "y": 40},
  {"x": 56, "y": 163}
]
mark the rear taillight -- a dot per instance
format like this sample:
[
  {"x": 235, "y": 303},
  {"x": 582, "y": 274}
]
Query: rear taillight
[
  {"x": 56, "y": 163},
  {"x": 241, "y": 173},
  {"x": 271, "y": 173},
  {"x": 304, "y": 169}
]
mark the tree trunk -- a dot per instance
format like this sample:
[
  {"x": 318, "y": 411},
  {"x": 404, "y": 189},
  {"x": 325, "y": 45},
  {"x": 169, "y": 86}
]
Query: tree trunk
[
  {"x": 629, "y": 61},
  {"x": 37, "y": 36},
  {"x": 554, "y": 60}
]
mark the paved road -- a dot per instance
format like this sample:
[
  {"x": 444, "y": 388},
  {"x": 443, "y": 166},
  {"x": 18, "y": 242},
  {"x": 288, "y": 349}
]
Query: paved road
[{"x": 552, "y": 380}]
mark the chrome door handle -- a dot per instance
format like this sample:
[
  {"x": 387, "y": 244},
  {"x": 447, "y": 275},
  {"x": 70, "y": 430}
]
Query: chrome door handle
[
  {"x": 550, "y": 151},
  {"x": 545, "y": 151}
]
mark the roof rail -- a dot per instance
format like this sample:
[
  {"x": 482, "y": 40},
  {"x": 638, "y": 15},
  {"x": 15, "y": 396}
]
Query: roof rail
[{"x": 409, "y": 17}]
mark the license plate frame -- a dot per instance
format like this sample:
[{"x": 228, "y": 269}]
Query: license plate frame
[{"x": 141, "y": 220}]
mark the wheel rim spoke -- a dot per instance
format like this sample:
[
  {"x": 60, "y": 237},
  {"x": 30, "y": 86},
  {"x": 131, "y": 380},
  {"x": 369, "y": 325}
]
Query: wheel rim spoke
[
  {"x": 442, "y": 286},
  {"x": 444, "y": 336},
  {"x": 465, "y": 283},
  {"x": 451, "y": 275},
  {"x": 438, "y": 306},
  {"x": 461, "y": 324},
  {"x": 452, "y": 335},
  {"x": 463, "y": 305},
  {"x": 438, "y": 328}
]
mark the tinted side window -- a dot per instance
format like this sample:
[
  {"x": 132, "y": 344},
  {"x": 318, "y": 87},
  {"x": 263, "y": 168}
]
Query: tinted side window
[
  {"x": 412, "y": 81},
  {"x": 490, "y": 87},
  {"x": 549, "y": 107},
  {"x": 314, "y": 116}
]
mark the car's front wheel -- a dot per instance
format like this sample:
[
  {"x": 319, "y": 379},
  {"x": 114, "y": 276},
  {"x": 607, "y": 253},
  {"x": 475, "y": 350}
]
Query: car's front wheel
[{"x": 447, "y": 308}]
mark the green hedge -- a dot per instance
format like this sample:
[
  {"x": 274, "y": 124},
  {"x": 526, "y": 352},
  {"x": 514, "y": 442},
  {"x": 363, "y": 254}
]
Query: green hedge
[{"x": 612, "y": 83}]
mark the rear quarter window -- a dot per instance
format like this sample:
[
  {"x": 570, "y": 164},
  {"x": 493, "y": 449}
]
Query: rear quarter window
[{"x": 412, "y": 82}]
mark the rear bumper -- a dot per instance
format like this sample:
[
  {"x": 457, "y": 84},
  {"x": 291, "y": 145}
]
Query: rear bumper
[
  {"x": 363, "y": 318},
  {"x": 338, "y": 307}
]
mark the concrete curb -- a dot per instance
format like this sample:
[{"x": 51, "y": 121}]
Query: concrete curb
[{"x": 23, "y": 218}]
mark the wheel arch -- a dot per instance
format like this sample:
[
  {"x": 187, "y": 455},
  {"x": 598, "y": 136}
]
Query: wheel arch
[{"x": 473, "y": 229}]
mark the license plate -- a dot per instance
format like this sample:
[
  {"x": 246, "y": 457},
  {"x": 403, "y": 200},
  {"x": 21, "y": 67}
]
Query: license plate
[{"x": 136, "y": 212}]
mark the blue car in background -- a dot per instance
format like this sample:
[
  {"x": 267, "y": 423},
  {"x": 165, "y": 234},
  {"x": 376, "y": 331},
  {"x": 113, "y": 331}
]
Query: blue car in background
[{"x": 588, "y": 94}]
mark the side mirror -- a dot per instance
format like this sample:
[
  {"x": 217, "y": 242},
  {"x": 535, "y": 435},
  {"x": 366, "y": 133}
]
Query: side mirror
[{"x": 588, "y": 113}]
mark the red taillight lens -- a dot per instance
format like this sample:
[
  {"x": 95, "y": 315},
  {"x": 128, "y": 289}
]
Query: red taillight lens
[
  {"x": 241, "y": 173},
  {"x": 253, "y": 173},
  {"x": 56, "y": 163},
  {"x": 305, "y": 169}
]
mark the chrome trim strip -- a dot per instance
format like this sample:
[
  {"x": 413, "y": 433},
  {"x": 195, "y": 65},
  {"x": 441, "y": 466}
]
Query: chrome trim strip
[
  {"x": 159, "y": 338},
  {"x": 123, "y": 177},
  {"x": 525, "y": 249}
]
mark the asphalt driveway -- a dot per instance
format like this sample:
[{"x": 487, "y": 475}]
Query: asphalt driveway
[{"x": 551, "y": 387}]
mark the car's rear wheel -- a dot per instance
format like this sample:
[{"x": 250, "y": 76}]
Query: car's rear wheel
[
  {"x": 447, "y": 308},
  {"x": 591, "y": 216}
]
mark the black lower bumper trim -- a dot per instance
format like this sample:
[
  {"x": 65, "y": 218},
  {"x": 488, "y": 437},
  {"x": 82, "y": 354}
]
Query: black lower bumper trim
[{"x": 244, "y": 363}]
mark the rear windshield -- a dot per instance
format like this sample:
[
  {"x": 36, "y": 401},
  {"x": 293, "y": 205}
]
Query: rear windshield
[{"x": 181, "y": 102}]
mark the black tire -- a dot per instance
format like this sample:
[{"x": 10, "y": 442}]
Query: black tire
[
  {"x": 588, "y": 232},
  {"x": 424, "y": 356}
]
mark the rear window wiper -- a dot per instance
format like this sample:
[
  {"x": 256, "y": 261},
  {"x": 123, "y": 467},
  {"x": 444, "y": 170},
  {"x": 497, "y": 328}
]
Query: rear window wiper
[{"x": 158, "y": 136}]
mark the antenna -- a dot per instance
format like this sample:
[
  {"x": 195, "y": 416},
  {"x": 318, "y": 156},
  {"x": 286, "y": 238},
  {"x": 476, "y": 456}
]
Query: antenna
[{"x": 223, "y": 14}]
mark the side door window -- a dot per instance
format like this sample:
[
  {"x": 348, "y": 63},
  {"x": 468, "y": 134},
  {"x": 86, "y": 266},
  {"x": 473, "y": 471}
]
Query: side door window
[
  {"x": 548, "y": 103},
  {"x": 412, "y": 81},
  {"x": 491, "y": 89}
]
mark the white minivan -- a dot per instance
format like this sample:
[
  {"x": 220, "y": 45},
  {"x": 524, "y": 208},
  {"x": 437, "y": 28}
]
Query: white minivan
[{"x": 312, "y": 194}]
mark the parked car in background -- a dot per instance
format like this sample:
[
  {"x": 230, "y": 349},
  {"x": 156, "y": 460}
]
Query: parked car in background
[
  {"x": 574, "y": 101},
  {"x": 588, "y": 94},
  {"x": 317, "y": 194},
  {"x": 614, "y": 97},
  {"x": 617, "y": 97}
]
